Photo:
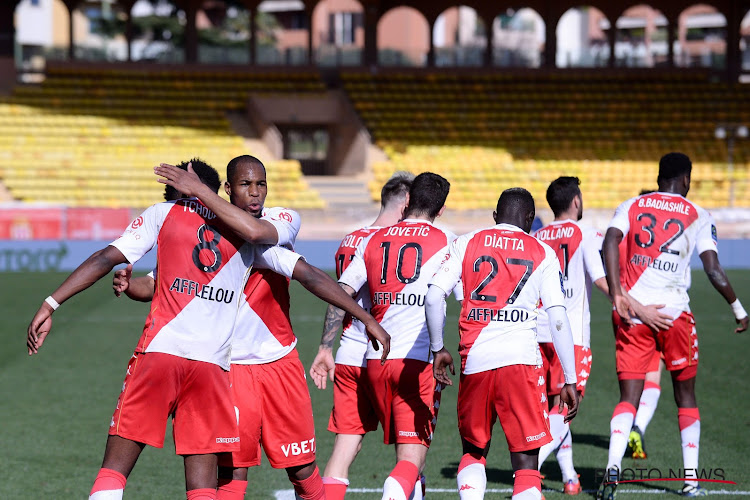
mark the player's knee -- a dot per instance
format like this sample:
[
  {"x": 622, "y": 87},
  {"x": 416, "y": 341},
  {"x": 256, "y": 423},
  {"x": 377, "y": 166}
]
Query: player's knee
[{"x": 301, "y": 472}]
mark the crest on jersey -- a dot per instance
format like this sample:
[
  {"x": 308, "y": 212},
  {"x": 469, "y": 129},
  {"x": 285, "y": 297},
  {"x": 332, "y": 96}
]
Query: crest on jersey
[
  {"x": 714, "y": 235},
  {"x": 139, "y": 222},
  {"x": 286, "y": 216}
]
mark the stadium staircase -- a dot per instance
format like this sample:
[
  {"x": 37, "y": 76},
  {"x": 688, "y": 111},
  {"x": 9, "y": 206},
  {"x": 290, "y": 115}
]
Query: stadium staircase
[
  {"x": 345, "y": 196},
  {"x": 490, "y": 131},
  {"x": 90, "y": 137}
]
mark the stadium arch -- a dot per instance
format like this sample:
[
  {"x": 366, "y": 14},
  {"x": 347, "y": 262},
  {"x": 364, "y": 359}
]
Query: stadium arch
[
  {"x": 418, "y": 40},
  {"x": 459, "y": 37},
  {"x": 701, "y": 37},
  {"x": 583, "y": 38},
  {"x": 338, "y": 32},
  {"x": 642, "y": 37},
  {"x": 518, "y": 38}
]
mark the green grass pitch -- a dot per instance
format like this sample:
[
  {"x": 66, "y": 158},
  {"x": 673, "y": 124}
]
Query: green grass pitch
[{"x": 56, "y": 406}]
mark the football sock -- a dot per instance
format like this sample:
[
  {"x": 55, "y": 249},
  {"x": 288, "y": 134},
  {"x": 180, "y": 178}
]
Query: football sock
[
  {"x": 558, "y": 428},
  {"x": 202, "y": 494},
  {"x": 419, "y": 488},
  {"x": 310, "y": 488},
  {"x": 527, "y": 485},
  {"x": 472, "y": 478},
  {"x": 231, "y": 489},
  {"x": 619, "y": 426},
  {"x": 565, "y": 458},
  {"x": 647, "y": 406},
  {"x": 108, "y": 485},
  {"x": 400, "y": 483},
  {"x": 690, "y": 435},
  {"x": 335, "y": 487}
]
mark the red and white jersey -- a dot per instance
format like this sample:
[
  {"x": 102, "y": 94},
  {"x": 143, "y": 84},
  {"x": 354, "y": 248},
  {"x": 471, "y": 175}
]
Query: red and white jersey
[
  {"x": 578, "y": 250},
  {"x": 263, "y": 331},
  {"x": 396, "y": 263},
  {"x": 660, "y": 232},
  {"x": 353, "y": 346},
  {"x": 202, "y": 268},
  {"x": 505, "y": 273}
]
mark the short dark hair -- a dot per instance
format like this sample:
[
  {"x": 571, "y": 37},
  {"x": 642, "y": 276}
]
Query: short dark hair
[
  {"x": 515, "y": 201},
  {"x": 396, "y": 187},
  {"x": 208, "y": 175},
  {"x": 673, "y": 165},
  {"x": 234, "y": 162},
  {"x": 561, "y": 192},
  {"x": 427, "y": 195}
]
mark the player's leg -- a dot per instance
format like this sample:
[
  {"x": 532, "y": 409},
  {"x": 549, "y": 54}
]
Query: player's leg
[
  {"x": 553, "y": 380},
  {"x": 232, "y": 481},
  {"x": 646, "y": 408},
  {"x": 472, "y": 477},
  {"x": 307, "y": 481},
  {"x": 527, "y": 482},
  {"x": 346, "y": 447},
  {"x": 564, "y": 452},
  {"x": 200, "y": 476},
  {"x": 410, "y": 460},
  {"x": 120, "y": 456}
]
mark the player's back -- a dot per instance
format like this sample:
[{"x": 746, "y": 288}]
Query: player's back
[
  {"x": 505, "y": 272},
  {"x": 353, "y": 345},
  {"x": 578, "y": 251},
  {"x": 202, "y": 268},
  {"x": 661, "y": 230},
  {"x": 400, "y": 261}
]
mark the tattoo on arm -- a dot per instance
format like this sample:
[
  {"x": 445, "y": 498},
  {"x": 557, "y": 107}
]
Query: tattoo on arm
[
  {"x": 559, "y": 325},
  {"x": 334, "y": 319}
]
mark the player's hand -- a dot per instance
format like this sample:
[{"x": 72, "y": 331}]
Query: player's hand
[
  {"x": 569, "y": 398},
  {"x": 377, "y": 334},
  {"x": 442, "y": 359},
  {"x": 623, "y": 308},
  {"x": 743, "y": 325},
  {"x": 39, "y": 328},
  {"x": 652, "y": 317},
  {"x": 322, "y": 367},
  {"x": 186, "y": 182},
  {"x": 121, "y": 280}
]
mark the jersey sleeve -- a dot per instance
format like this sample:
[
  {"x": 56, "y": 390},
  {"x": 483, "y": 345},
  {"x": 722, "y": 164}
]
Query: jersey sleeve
[
  {"x": 551, "y": 292},
  {"x": 449, "y": 274},
  {"x": 592, "y": 257},
  {"x": 278, "y": 259},
  {"x": 621, "y": 219},
  {"x": 707, "y": 237},
  {"x": 287, "y": 223},
  {"x": 355, "y": 275},
  {"x": 141, "y": 235}
]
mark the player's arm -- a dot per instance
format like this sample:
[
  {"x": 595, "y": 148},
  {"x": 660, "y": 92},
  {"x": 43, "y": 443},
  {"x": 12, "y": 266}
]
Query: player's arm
[
  {"x": 140, "y": 289},
  {"x": 324, "y": 287},
  {"x": 246, "y": 226},
  {"x": 611, "y": 250},
  {"x": 98, "y": 265},
  {"x": 435, "y": 318},
  {"x": 720, "y": 282},
  {"x": 323, "y": 365}
]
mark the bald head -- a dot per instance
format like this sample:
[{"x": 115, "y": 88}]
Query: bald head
[{"x": 244, "y": 160}]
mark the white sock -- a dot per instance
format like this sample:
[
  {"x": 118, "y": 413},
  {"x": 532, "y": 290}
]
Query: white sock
[
  {"x": 647, "y": 406},
  {"x": 565, "y": 459},
  {"x": 690, "y": 435},
  {"x": 558, "y": 428},
  {"x": 619, "y": 426},
  {"x": 392, "y": 490},
  {"x": 419, "y": 489},
  {"x": 471, "y": 478},
  {"x": 530, "y": 494},
  {"x": 107, "y": 495}
]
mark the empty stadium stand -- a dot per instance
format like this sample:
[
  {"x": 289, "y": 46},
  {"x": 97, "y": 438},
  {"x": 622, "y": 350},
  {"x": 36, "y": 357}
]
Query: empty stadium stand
[
  {"x": 502, "y": 130},
  {"x": 91, "y": 137}
]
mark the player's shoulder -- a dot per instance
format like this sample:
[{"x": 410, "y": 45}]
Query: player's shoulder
[{"x": 282, "y": 213}]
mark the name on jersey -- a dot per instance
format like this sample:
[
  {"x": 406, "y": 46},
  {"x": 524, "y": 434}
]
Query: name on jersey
[
  {"x": 422, "y": 231},
  {"x": 196, "y": 208},
  {"x": 555, "y": 233},
  {"x": 658, "y": 264},
  {"x": 205, "y": 292},
  {"x": 669, "y": 206},
  {"x": 484, "y": 314},
  {"x": 352, "y": 241},
  {"x": 397, "y": 299},
  {"x": 503, "y": 242}
]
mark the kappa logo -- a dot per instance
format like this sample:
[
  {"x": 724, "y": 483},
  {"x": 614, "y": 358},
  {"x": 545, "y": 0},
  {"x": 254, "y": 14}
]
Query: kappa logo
[
  {"x": 540, "y": 381},
  {"x": 228, "y": 440},
  {"x": 536, "y": 437},
  {"x": 583, "y": 374},
  {"x": 695, "y": 357},
  {"x": 582, "y": 383},
  {"x": 465, "y": 487},
  {"x": 617, "y": 431},
  {"x": 544, "y": 398},
  {"x": 408, "y": 434},
  {"x": 137, "y": 223},
  {"x": 679, "y": 361},
  {"x": 691, "y": 445}
]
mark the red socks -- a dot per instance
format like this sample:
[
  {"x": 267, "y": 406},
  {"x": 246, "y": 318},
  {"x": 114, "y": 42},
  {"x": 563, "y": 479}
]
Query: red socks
[
  {"x": 404, "y": 477},
  {"x": 231, "y": 489},
  {"x": 310, "y": 488},
  {"x": 526, "y": 480},
  {"x": 335, "y": 488},
  {"x": 687, "y": 416},
  {"x": 108, "y": 480},
  {"x": 202, "y": 494}
]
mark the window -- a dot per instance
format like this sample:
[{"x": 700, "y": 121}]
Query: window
[{"x": 342, "y": 27}]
